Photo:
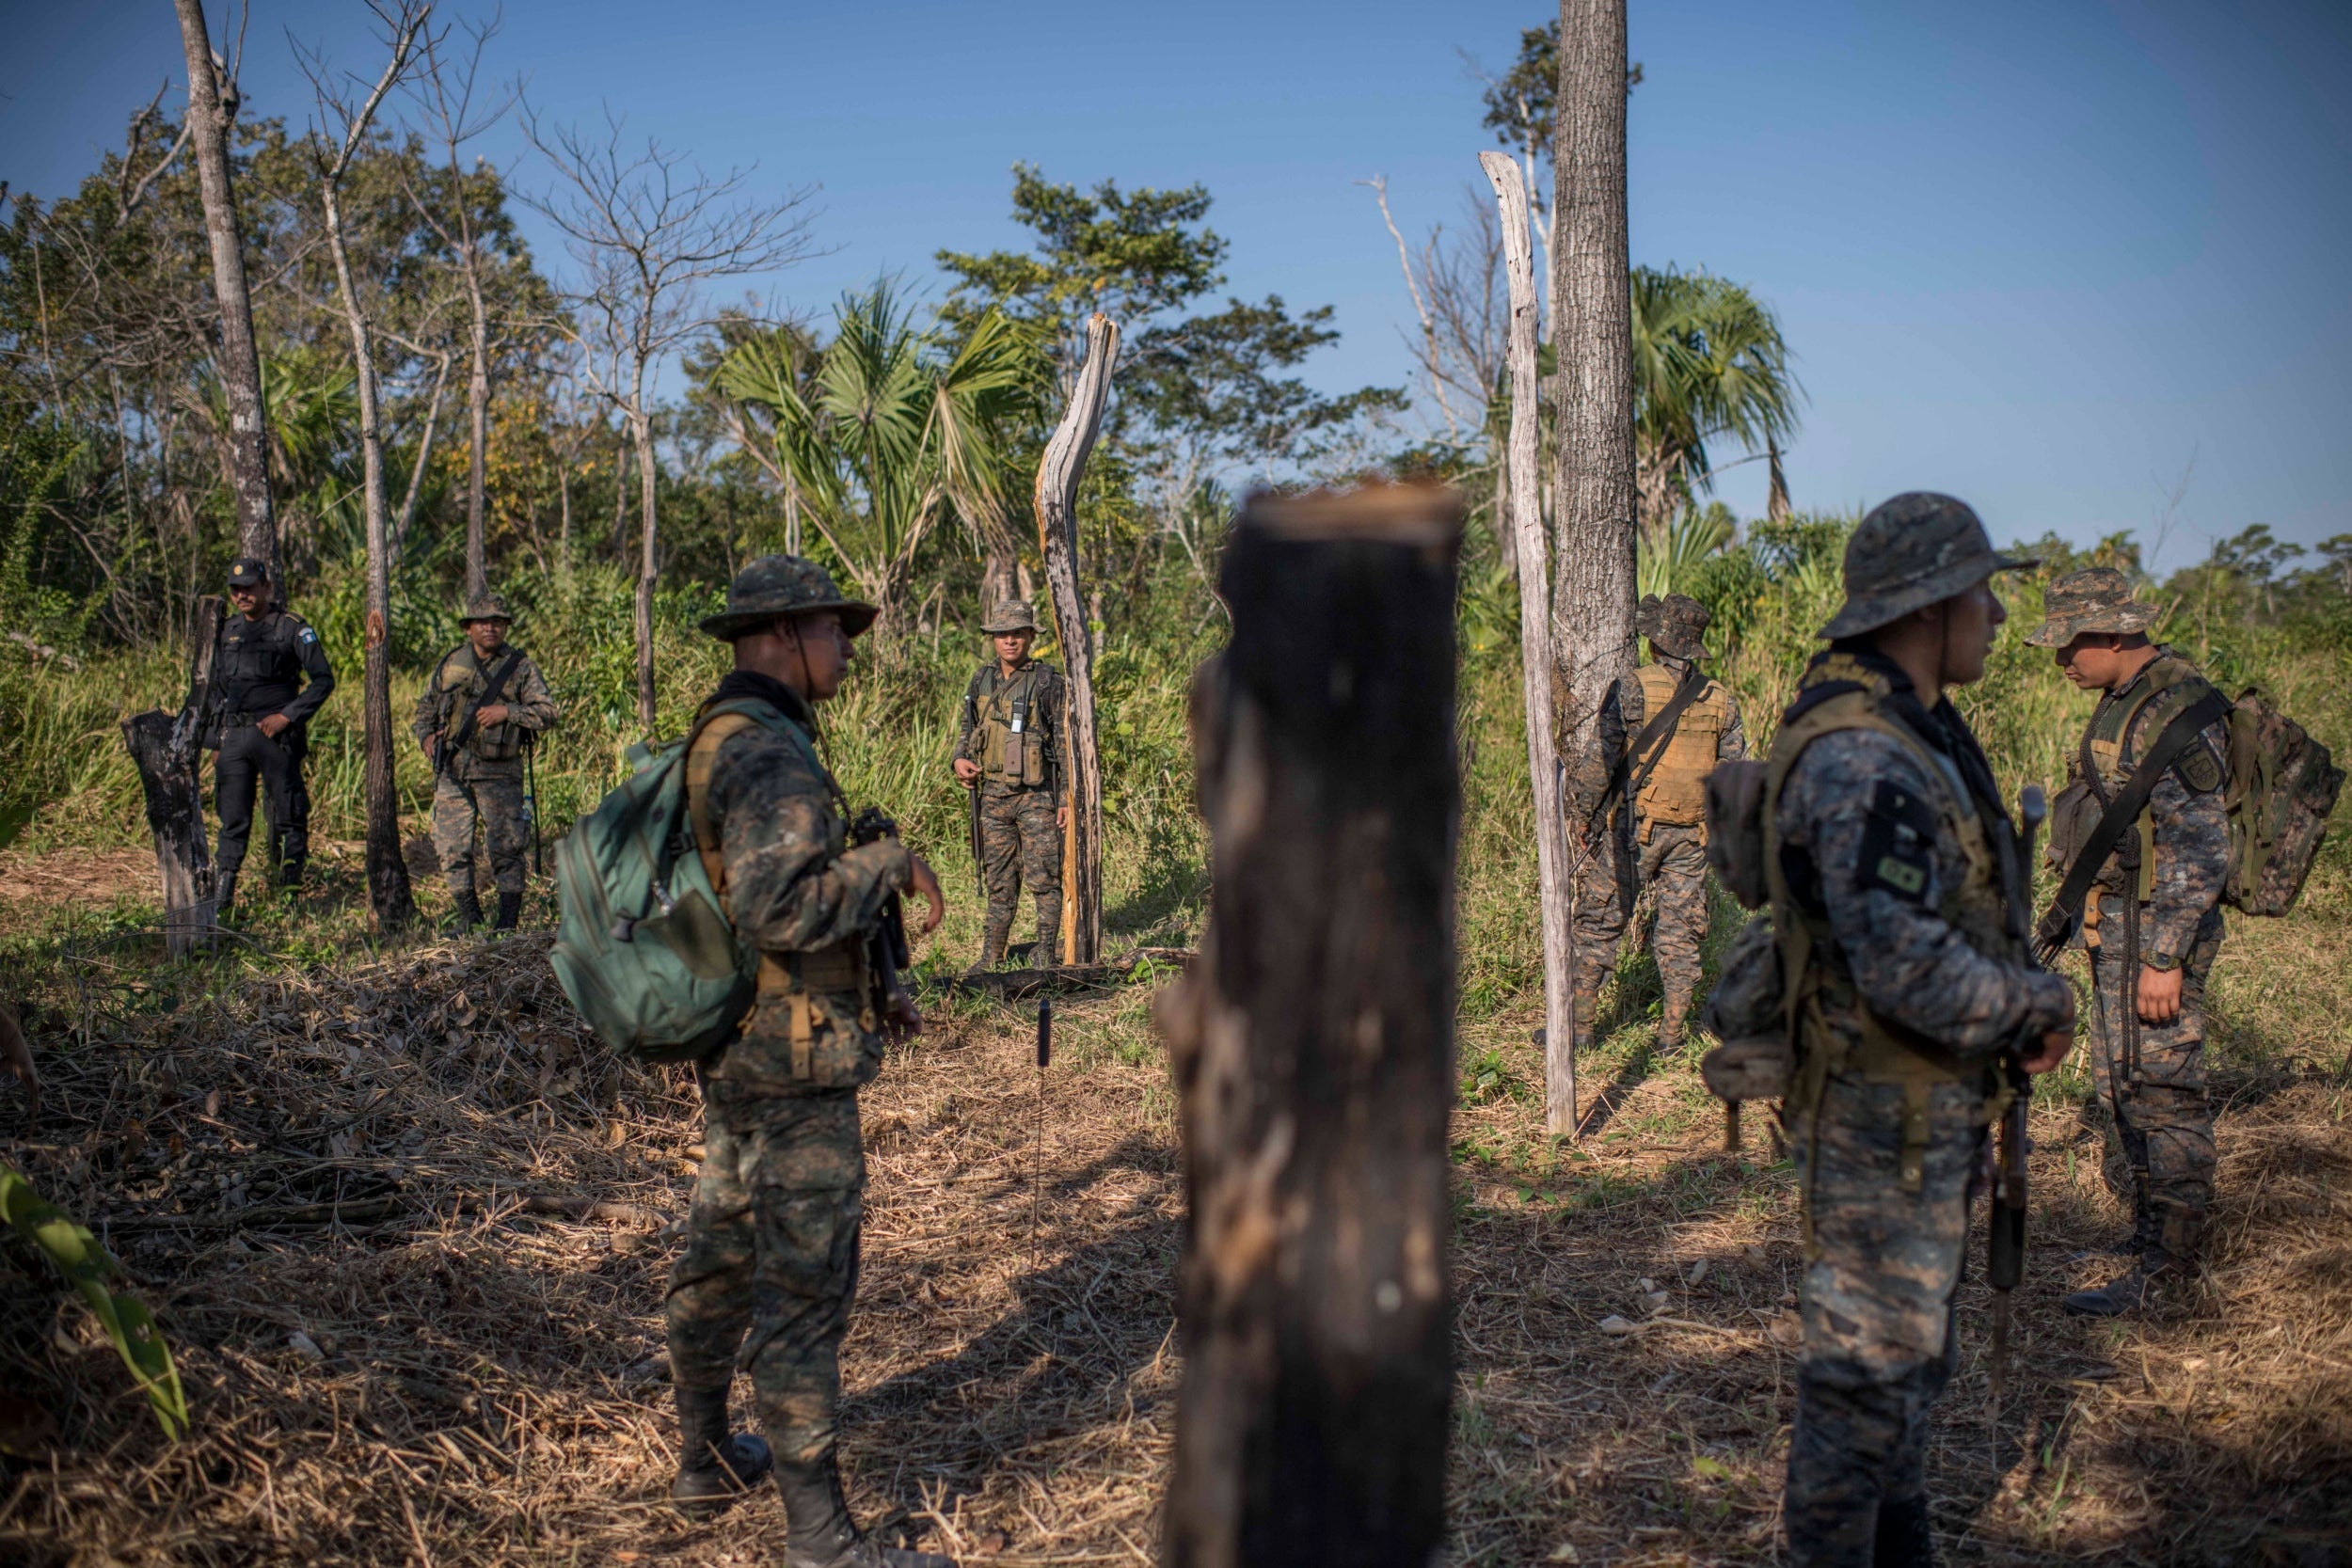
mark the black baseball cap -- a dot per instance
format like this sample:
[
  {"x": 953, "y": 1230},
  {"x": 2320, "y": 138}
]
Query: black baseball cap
[{"x": 248, "y": 572}]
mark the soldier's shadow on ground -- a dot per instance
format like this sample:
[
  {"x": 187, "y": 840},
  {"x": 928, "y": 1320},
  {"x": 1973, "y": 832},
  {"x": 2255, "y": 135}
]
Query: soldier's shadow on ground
[{"x": 1095, "y": 1313}]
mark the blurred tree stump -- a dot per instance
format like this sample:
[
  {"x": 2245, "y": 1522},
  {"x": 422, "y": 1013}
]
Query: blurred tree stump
[
  {"x": 1314, "y": 1045},
  {"x": 164, "y": 747}
]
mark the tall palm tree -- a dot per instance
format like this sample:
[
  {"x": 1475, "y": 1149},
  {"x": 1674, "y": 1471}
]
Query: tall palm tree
[
  {"x": 897, "y": 429},
  {"x": 1708, "y": 362}
]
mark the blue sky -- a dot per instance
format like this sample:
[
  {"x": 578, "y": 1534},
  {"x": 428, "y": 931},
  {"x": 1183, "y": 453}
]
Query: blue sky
[{"x": 2055, "y": 258}]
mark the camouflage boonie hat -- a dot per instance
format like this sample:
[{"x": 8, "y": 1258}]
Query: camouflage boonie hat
[
  {"x": 783, "y": 585},
  {"x": 248, "y": 572},
  {"x": 484, "y": 607},
  {"x": 1911, "y": 552},
  {"x": 1674, "y": 625},
  {"x": 2096, "y": 599},
  {"x": 1010, "y": 616}
]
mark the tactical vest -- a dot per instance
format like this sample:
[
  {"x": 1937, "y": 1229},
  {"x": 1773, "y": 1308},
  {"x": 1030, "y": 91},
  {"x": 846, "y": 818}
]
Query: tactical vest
[
  {"x": 461, "y": 678},
  {"x": 1015, "y": 729},
  {"x": 833, "y": 981},
  {"x": 2168, "y": 685},
  {"x": 1820, "y": 986},
  {"x": 1676, "y": 791}
]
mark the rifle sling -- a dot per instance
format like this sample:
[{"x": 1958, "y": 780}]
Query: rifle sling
[
  {"x": 2121, "y": 811},
  {"x": 1659, "y": 732},
  {"x": 499, "y": 674}
]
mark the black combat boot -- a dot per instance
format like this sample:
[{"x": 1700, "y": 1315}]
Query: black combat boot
[
  {"x": 510, "y": 909},
  {"x": 819, "y": 1531},
  {"x": 1905, "y": 1540},
  {"x": 714, "y": 1468},
  {"x": 2150, "y": 1272},
  {"x": 224, "y": 894},
  {"x": 469, "y": 911},
  {"x": 290, "y": 873}
]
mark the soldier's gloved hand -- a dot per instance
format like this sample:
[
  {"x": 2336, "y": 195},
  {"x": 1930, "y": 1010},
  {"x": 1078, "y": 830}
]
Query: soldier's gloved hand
[
  {"x": 966, "y": 769},
  {"x": 902, "y": 1017},
  {"x": 2159, "y": 994},
  {"x": 926, "y": 886}
]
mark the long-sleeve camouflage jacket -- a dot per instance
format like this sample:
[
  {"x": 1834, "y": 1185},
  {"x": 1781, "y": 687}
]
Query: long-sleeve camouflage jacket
[
  {"x": 802, "y": 895},
  {"x": 2186, "y": 809},
  {"x": 1863, "y": 848},
  {"x": 460, "y": 680}
]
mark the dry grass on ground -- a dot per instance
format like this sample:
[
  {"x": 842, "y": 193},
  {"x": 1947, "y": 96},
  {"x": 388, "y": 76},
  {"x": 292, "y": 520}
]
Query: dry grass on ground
[{"x": 409, "y": 1233}]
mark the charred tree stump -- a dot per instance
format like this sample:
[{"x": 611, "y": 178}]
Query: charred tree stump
[
  {"x": 1314, "y": 1045},
  {"x": 1057, "y": 475},
  {"x": 163, "y": 747}
]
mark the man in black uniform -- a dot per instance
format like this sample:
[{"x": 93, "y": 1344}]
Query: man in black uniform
[{"x": 269, "y": 676}]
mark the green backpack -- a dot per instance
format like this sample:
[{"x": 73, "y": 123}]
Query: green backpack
[{"x": 643, "y": 948}]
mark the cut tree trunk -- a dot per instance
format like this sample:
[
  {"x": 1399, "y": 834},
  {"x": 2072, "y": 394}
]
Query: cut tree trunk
[
  {"x": 1593, "y": 593},
  {"x": 237, "y": 360},
  {"x": 1525, "y": 529},
  {"x": 1312, "y": 1044},
  {"x": 165, "y": 747},
  {"x": 1058, "y": 476}
]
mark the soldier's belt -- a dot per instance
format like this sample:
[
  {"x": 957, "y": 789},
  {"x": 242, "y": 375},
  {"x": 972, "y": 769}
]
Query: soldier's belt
[{"x": 838, "y": 968}]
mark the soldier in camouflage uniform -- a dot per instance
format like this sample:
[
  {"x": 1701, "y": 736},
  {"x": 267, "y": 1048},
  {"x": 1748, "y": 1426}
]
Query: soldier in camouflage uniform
[
  {"x": 1014, "y": 748},
  {"x": 1660, "y": 842},
  {"x": 1899, "y": 902},
  {"x": 2148, "y": 1031},
  {"x": 770, "y": 1264},
  {"x": 478, "y": 765}
]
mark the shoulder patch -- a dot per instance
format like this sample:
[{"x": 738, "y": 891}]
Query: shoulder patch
[
  {"x": 1898, "y": 850},
  {"x": 2198, "y": 768},
  {"x": 306, "y": 635}
]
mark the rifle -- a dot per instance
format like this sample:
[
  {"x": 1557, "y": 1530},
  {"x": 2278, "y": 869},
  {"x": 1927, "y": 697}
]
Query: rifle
[
  {"x": 531, "y": 798},
  {"x": 2005, "y": 1248},
  {"x": 451, "y": 741},
  {"x": 886, "y": 950}
]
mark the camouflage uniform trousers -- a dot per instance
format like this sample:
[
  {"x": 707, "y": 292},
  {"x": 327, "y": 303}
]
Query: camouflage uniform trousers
[
  {"x": 461, "y": 796},
  {"x": 1020, "y": 843},
  {"x": 1673, "y": 867},
  {"x": 1883, "y": 1267},
  {"x": 770, "y": 1260},
  {"x": 2162, "y": 1123}
]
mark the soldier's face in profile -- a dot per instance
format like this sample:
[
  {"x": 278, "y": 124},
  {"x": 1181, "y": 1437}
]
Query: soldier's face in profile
[
  {"x": 487, "y": 636},
  {"x": 1013, "y": 646},
  {"x": 2092, "y": 661},
  {"x": 1970, "y": 621},
  {"x": 824, "y": 650}
]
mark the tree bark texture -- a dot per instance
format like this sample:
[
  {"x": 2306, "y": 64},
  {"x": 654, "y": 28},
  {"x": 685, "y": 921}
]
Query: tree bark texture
[
  {"x": 164, "y": 747},
  {"x": 389, "y": 892},
  {"x": 1312, "y": 1043},
  {"x": 477, "y": 431},
  {"x": 1058, "y": 476},
  {"x": 1592, "y": 315},
  {"x": 1526, "y": 531},
  {"x": 238, "y": 362},
  {"x": 647, "y": 561}
]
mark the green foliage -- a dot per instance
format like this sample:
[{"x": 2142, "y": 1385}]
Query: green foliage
[
  {"x": 1708, "y": 361},
  {"x": 88, "y": 1267}
]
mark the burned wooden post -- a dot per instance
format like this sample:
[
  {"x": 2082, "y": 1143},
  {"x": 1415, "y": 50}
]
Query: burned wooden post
[
  {"x": 163, "y": 747},
  {"x": 1314, "y": 1045},
  {"x": 1057, "y": 475}
]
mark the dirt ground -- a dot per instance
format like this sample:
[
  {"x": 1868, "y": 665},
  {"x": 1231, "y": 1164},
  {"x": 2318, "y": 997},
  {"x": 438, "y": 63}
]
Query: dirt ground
[{"x": 407, "y": 1231}]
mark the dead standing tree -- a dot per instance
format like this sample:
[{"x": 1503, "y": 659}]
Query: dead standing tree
[
  {"x": 1592, "y": 602},
  {"x": 1526, "y": 525},
  {"x": 212, "y": 106},
  {"x": 447, "y": 96},
  {"x": 1058, "y": 476},
  {"x": 163, "y": 746},
  {"x": 1314, "y": 1045},
  {"x": 648, "y": 232},
  {"x": 343, "y": 131}
]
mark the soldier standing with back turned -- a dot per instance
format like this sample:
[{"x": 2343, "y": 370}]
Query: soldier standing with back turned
[
  {"x": 269, "y": 676},
  {"x": 1899, "y": 898},
  {"x": 1013, "y": 747},
  {"x": 1666, "y": 725},
  {"x": 770, "y": 1265},
  {"x": 2152, "y": 928},
  {"x": 485, "y": 702}
]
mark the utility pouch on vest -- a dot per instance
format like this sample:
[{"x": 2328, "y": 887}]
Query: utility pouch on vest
[{"x": 1017, "y": 739}]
